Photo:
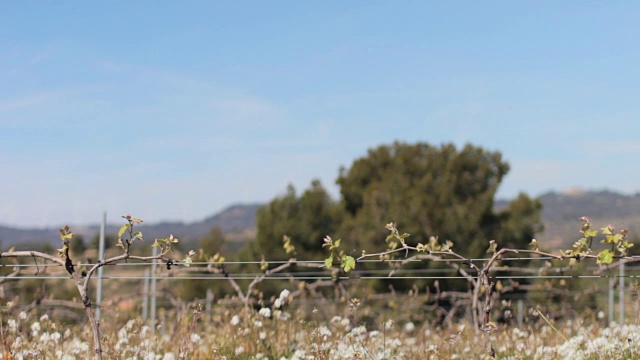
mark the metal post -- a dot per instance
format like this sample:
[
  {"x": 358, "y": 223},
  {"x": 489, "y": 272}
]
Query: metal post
[
  {"x": 611, "y": 282},
  {"x": 520, "y": 312},
  {"x": 100, "y": 258},
  {"x": 154, "y": 266},
  {"x": 145, "y": 296},
  {"x": 209, "y": 301},
  {"x": 621, "y": 293}
]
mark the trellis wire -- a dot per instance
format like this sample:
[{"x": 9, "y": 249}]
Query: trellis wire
[
  {"x": 291, "y": 276},
  {"x": 280, "y": 262}
]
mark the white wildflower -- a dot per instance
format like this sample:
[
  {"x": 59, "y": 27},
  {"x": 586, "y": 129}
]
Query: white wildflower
[
  {"x": 195, "y": 338},
  {"x": 122, "y": 334},
  {"x": 262, "y": 335},
  {"x": 239, "y": 350},
  {"x": 44, "y": 318},
  {"x": 235, "y": 320},
  {"x": 13, "y": 326},
  {"x": 409, "y": 327},
  {"x": 144, "y": 330},
  {"x": 17, "y": 342},
  {"x": 359, "y": 330},
  {"x": 282, "y": 299},
  {"x": 324, "y": 331},
  {"x": 22, "y": 315},
  {"x": 265, "y": 312},
  {"x": 55, "y": 337},
  {"x": 45, "y": 337},
  {"x": 35, "y": 328}
]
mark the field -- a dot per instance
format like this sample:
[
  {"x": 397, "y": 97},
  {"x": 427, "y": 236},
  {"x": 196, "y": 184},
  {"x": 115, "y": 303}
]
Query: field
[
  {"x": 513, "y": 304},
  {"x": 286, "y": 331}
]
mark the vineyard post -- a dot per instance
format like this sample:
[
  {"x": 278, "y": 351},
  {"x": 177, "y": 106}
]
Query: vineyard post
[
  {"x": 208, "y": 303},
  {"x": 621, "y": 293},
  {"x": 145, "y": 294},
  {"x": 520, "y": 312},
  {"x": 611, "y": 303},
  {"x": 100, "y": 270},
  {"x": 154, "y": 265}
]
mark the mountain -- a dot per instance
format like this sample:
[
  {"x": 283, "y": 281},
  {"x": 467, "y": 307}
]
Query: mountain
[
  {"x": 561, "y": 212},
  {"x": 238, "y": 222}
]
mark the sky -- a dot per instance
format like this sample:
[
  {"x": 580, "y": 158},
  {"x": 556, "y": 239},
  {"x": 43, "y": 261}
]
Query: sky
[{"x": 175, "y": 110}]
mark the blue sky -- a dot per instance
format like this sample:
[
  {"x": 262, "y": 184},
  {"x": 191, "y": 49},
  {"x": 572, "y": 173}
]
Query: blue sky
[{"x": 172, "y": 111}]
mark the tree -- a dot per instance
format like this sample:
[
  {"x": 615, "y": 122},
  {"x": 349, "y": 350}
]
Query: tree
[
  {"x": 77, "y": 246},
  {"x": 431, "y": 191},
  {"x": 109, "y": 241},
  {"x": 213, "y": 241},
  {"x": 520, "y": 222},
  {"x": 306, "y": 220}
]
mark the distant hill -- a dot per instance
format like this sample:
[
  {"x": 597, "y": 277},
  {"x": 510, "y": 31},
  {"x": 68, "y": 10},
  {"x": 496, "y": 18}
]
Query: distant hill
[
  {"x": 560, "y": 214},
  {"x": 238, "y": 222}
]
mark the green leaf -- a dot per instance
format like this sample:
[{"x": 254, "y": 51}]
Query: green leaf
[
  {"x": 348, "y": 263},
  {"x": 337, "y": 243},
  {"x": 389, "y": 238},
  {"x": 138, "y": 235},
  {"x": 446, "y": 246},
  {"x": 123, "y": 228},
  {"x": 493, "y": 247},
  {"x": 580, "y": 243},
  {"x": 328, "y": 262},
  {"x": 591, "y": 233},
  {"x": 605, "y": 257}
]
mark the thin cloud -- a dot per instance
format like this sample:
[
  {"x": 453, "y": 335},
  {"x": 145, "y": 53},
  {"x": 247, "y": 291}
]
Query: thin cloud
[
  {"x": 42, "y": 56},
  {"x": 23, "y": 103},
  {"x": 614, "y": 147},
  {"x": 246, "y": 107}
]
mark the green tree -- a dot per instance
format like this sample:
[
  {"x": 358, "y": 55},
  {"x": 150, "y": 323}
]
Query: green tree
[
  {"x": 520, "y": 222},
  {"x": 306, "y": 219},
  {"x": 429, "y": 190},
  {"x": 210, "y": 244},
  {"x": 213, "y": 241},
  {"x": 78, "y": 246},
  {"x": 109, "y": 241}
]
